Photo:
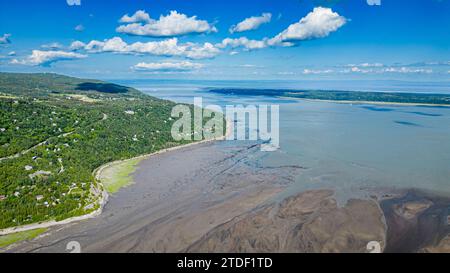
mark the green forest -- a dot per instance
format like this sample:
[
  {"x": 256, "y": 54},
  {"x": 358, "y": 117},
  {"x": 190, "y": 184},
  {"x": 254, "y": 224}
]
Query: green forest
[
  {"x": 56, "y": 130},
  {"x": 333, "y": 95}
]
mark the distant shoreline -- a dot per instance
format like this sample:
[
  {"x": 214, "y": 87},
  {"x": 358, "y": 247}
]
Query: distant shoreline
[
  {"x": 370, "y": 102},
  {"x": 347, "y": 97}
]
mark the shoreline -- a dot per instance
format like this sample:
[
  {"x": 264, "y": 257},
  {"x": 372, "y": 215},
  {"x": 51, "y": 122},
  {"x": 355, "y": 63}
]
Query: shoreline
[
  {"x": 367, "y": 102},
  {"x": 104, "y": 194},
  {"x": 196, "y": 212}
]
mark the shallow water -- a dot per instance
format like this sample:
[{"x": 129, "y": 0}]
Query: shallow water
[{"x": 353, "y": 149}]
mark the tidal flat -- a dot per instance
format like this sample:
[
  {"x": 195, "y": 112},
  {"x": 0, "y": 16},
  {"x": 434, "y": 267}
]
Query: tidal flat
[
  {"x": 211, "y": 197},
  {"x": 175, "y": 199},
  {"x": 345, "y": 175}
]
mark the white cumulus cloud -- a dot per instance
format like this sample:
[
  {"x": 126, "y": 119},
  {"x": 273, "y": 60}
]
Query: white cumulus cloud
[
  {"x": 169, "y": 47},
  {"x": 286, "y": 73},
  {"x": 77, "y": 45},
  {"x": 174, "y": 24},
  {"x": 79, "y": 28},
  {"x": 52, "y": 46},
  {"x": 167, "y": 66},
  {"x": 39, "y": 57},
  {"x": 251, "y": 23},
  {"x": 137, "y": 17},
  {"x": 249, "y": 44},
  {"x": 73, "y": 2},
  {"x": 316, "y": 72},
  {"x": 242, "y": 42},
  {"x": 407, "y": 70},
  {"x": 5, "y": 39},
  {"x": 317, "y": 24},
  {"x": 383, "y": 69},
  {"x": 365, "y": 65}
]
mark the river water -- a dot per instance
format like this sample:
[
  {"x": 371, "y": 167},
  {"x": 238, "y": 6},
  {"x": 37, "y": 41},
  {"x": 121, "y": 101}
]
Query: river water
[{"x": 354, "y": 149}]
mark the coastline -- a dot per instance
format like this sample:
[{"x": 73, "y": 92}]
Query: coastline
[
  {"x": 204, "y": 211},
  {"x": 174, "y": 207},
  {"x": 101, "y": 189},
  {"x": 174, "y": 200},
  {"x": 367, "y": 102}
]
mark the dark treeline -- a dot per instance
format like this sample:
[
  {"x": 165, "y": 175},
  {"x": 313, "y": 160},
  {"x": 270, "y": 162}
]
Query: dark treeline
[{"x": 438, "y": 99}]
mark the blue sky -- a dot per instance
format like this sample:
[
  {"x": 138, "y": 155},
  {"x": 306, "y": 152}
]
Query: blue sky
[{"x": 252, "y": 39}]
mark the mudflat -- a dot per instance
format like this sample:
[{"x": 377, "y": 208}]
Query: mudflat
[
  {"x": 175, "y": 199},
  {"x": 211, "y": 197}
]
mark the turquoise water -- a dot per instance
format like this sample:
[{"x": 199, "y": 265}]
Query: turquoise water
[{"x": 353, "y": 149}]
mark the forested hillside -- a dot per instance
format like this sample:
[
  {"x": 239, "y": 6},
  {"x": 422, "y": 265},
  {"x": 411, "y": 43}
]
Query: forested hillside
[{"x": 56, "y": 130}]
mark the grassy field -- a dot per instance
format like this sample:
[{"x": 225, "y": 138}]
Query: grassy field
[
  {"x": 9, "y": 239},
  {"x": 118, "y": 175}
]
